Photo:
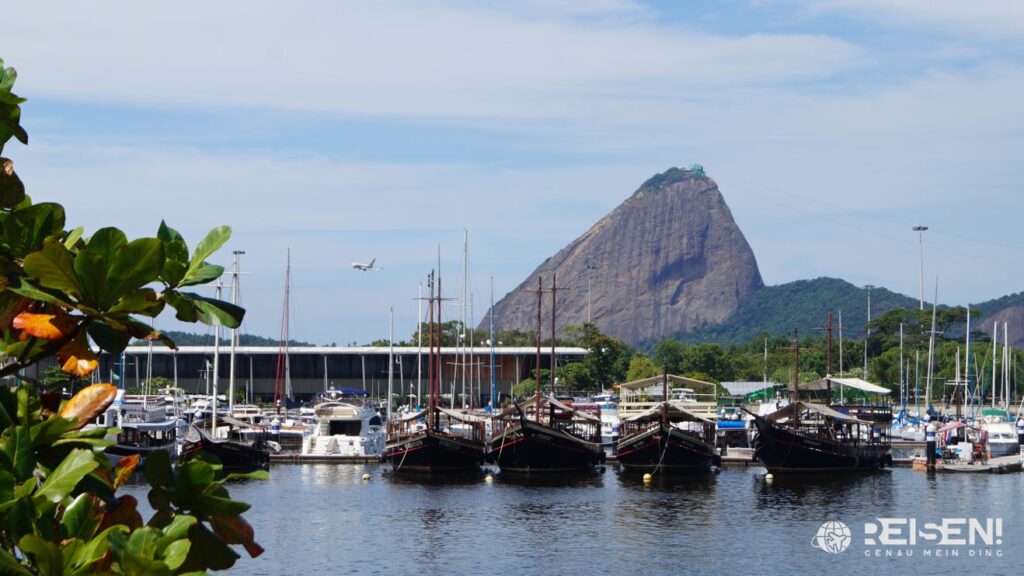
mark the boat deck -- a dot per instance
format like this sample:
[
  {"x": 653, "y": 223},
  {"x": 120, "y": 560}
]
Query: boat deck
[{"x": 295, "y": 458}]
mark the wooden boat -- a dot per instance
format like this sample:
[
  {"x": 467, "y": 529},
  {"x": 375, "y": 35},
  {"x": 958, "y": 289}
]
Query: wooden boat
[
  {"x": 235, "y": 456},
  {"x": 451, "y": 443},
  {"x": 435, "y": 440},
  {"x": 668, "y": 439},
  {"x": 544, "y": 434},
  {"x": 807, "y": 437},
  {"x": 554, "y": 438}
]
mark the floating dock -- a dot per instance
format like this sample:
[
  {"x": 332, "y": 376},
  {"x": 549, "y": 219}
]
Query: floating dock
[{"x": 1000, "y": 465}]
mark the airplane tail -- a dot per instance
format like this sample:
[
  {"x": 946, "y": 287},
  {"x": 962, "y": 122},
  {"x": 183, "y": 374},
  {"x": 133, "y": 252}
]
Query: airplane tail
[{"x": 372, "y": 262}]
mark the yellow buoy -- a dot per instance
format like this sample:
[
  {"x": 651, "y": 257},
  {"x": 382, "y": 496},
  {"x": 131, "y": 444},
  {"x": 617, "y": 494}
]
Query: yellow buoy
[
  {"x": 488, "y": 478},
  {"x": 648, "y": 478},
  {"x": 366, "y": 476}
]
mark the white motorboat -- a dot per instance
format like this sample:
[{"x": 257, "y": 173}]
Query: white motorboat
[{"x": 345, "y": 430}]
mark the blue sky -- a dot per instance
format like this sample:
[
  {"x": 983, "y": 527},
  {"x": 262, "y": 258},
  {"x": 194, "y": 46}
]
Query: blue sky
[{"x": 347, "y": 131}]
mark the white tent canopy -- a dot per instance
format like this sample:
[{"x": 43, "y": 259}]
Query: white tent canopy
[{"x": 855, "y": 383}]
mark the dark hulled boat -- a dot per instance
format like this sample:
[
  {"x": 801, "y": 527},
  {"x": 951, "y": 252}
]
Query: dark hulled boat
[
  {"x": 235, "y": 456},
  {"x": 560, "y": 439},
  {"x": 667, "y": 439},
  {"x": 435, "y": 440},
  {"x": 806, "y": 437},
  {"x": 451, "y": 444}
]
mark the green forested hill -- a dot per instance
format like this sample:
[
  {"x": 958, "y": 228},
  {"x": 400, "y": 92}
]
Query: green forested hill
[{"x": 806, "y": 304}]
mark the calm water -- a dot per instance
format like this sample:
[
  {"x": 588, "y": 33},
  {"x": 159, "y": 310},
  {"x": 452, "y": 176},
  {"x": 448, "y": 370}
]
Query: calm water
[{"x": 324, "y": 519}]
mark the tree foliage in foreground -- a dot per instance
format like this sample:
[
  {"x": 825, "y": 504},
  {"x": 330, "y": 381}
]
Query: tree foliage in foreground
[{"x": 61, "y": 293}]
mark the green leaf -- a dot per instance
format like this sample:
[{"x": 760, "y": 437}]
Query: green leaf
[
  {"x": 213, "y": 241},
  {"x": 53, "y": 268},
  {"x": 137, "y": 264},
  {"x": 6, "y": 485},
  {"x": 254, "y": 475},
  {"x": 142, "y": 301},
  {"x": 176, "y": 529},
  {"x": 176, "y": 553},
  {"x": 143, "y": 542},
  {"x": 28, "y": 290},
  {"x": 73, "y": 237},
  {"x": 27, "y": 228},
  {"x": 48, "y": 431},
  {"x": 208, "y": 551},
  {"x": 175, "y": 255},
  {"x": 47, "y": 554},
  {"x": 97, "y": 548},
  {"x": 107, "y": 338},
  {"x": 205, "y": 273},
  {"x": 63, "y": 480},
  {"x": 217, "y": 506},
  {"x": 81, "y": 518},
  {"x": 186, "y": 310},
  {"x": 17, "y": 448},
  {"x": 217, "y": 312},
  {"x": 157, "y": 469}
]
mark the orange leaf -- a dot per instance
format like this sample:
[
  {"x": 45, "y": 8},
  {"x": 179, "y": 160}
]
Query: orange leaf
[
  {"x": 89, "y": 403},
  {"x": 77, "y": 358},
  {"x": 46, "y": 326},
  {"x": 236, "y": 530},
  {"x": 125, "y": 467},
  {"x": 124, "y": 512}
]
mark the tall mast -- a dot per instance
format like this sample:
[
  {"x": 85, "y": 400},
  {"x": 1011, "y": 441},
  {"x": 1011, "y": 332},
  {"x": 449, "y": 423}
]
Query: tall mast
[
  {"x": 903, "y": 388},
  {"x": 554, "y": 290},
  {"x": 391, "y": 358},
  {"x": 216, "y": 363},
  {"x": 430, "y": 357},
  {"x": 438, "y": 365},
  {"x": 967, "y": 359},
  {"x": 796, "y": 376},
  {"x": 419, "y": 344},
  {"x": 828, "y": 359},
  {"x": 462, "y": 327},
  {"x": 664, "y": 395},
  {"x": 931, "y": 346},
  {"x": 282, "y": 379},
  {"x": 494, "y": 370},
  {"x": 995, "y": 346},
  {"x": 540, "y": 293},
  {"x": 234, "y": 331}
]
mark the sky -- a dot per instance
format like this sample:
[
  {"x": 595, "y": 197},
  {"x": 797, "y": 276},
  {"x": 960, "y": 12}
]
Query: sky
[{"x": 345, "y": 131}]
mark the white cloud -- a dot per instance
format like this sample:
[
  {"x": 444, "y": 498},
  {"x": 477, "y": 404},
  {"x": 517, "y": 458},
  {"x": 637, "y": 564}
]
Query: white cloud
[
  {"x": 985, "y": 18},
  {"x": 403, "y": 59}
]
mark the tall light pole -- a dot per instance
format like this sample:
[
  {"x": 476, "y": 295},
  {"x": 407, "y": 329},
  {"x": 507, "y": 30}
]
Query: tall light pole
[
  {"x": 867, "y": 331},
  {"x": 920, "y": 240}
]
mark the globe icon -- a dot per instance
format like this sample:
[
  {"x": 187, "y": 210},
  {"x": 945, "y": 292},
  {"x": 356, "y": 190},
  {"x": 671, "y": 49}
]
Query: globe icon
[{"x": 833, "y": 537}]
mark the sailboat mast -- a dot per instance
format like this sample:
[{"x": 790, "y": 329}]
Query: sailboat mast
[
  {"x": 540, "y": 293},
  {"x": 216, "y": 364},
  {"x": 462, "y": 321},
  {"x": 494, "y": 370},
  {"x": 554, "y": 290},
  {"x": 391, "y": 358},
  {"x": 430, "y": 357},
  {"x": 903, "y": 384},
  {"x": 995, "y": 347},
  {"x": 796, "y": 377},
  {"x": 234, "y": 331},
  {"x": 419, "y": 344}
]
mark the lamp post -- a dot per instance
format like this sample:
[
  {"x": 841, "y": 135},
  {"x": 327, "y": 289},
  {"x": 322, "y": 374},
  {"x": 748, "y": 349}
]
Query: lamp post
[
  {"x": 920, "y": 240},
  {"x": 867, "y": 331}
]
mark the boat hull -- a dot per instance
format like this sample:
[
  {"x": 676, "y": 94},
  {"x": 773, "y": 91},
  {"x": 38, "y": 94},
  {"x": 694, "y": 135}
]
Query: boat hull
[
  {"x": 782, "y": 450},
  {"x": 431, "y": 452},
  {"x": 667, "y": 449},
  {"x": 529, "y": 448}
]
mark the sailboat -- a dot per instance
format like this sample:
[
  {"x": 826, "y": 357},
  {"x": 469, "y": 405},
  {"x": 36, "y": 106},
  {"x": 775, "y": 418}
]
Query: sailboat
[
  {"x": 435, "y": 440},
  {"x": 667, "y": 438},
  {"x": 810, "y": 437},
  {"x": 544, "y": 434},
  {"x": 236, "y": 455}
]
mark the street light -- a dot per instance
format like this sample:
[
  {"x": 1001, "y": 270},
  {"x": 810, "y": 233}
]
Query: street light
[
  {"x": 867, "y": 331},
  {"x": 920, "y": 240}
]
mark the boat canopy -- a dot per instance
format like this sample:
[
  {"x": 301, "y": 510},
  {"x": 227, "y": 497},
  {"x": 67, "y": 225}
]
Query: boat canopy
[
  {"x": 652, "y": 388},
  {"x": 787, "y": 412},
  {"x": 954, "y": 425},
  {"x": 532, "y": 400},
  {"x": 675, "y": 414},
  {"x": 855, "y": 383},
  {"x": 739, "y": 389},
  {"x": 460, "y": 416}
]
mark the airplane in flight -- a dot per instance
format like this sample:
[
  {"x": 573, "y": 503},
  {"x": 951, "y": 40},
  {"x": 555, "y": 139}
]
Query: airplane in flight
[{"x": 365, "y": 267}]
